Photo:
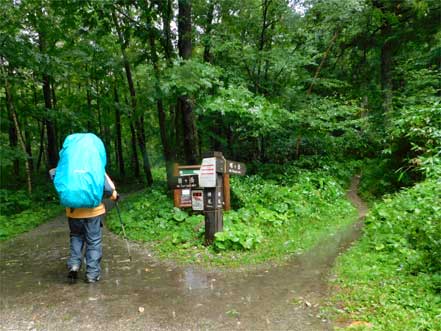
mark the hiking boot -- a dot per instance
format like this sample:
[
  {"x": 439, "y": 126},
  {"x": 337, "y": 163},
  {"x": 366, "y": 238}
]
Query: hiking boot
[
  {"x": 90, "y": 280},
  {"x": 73, "y": 272}
]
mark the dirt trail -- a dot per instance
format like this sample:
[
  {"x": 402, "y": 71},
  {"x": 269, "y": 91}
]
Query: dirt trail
[{"x": 146, "y": 295}]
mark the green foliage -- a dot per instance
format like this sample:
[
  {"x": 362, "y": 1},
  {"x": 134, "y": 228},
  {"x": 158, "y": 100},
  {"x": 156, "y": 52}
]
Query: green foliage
[
  {"x": 420, "y": 128},
  {"x": 247, "y": 122},
  {"x": 277, "y": 216},
  {"x": 240, "y": 121},
  {"x": 392, "y": 277},
  {"x": 150, "y": 216},
  {"x": 378, "y": 178},
  {"x": 237, "y": 236},
  {"x": 13, "y": 202},
  {"x": 14, "y": 224},
  {"x": 250, "y": 116},
  {"x": 190, "y": 78},
  {"x": 20, "y": 212},
  {"x": 408, "y": 227}
]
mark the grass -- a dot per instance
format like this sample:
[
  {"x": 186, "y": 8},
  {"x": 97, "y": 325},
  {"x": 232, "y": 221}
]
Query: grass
[
  {"x": 275, "y": 216},
  {"x": 13, "y": 225},
  {"x": 391, "y": 280}
]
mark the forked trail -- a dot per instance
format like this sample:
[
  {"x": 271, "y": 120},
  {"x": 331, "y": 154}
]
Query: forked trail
[{"x": 147, "y": 295}]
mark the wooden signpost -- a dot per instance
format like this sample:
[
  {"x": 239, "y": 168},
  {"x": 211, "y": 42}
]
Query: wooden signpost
[{"x": 208, "y": 191}]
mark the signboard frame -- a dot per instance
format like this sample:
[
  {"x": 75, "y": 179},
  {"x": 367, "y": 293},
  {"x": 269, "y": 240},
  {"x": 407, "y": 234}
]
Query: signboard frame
[{"x": 180, "y": 199}]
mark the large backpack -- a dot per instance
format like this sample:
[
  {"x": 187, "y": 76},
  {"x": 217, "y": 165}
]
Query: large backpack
[{"x": 80, "y": 174}]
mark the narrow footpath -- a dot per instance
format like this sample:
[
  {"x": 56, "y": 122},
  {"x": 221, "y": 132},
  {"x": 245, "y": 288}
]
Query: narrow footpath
[{"x": 143, "y": 294}]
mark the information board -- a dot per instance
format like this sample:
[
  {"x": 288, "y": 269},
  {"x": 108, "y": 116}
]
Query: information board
[
  {"x": 207, "y": 174},
  {"x": 197, "y": 200}
]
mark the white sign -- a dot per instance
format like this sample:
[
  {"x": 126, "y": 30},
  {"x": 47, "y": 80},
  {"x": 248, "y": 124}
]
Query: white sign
[
  {"x": 207, "y": 174},
  {"x": 197, "y": 200}
]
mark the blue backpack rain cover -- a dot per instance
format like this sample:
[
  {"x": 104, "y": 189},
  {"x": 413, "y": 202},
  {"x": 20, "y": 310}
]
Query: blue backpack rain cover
[{"x": 80, "y": 174}]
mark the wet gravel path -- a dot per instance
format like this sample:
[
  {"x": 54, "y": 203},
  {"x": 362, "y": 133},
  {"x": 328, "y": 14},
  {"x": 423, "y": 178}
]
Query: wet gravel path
[{"x": 146, "y": 295}]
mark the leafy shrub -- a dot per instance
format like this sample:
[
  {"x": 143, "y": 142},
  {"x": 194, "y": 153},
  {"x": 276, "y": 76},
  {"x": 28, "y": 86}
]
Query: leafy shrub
[
  {"x": 408, "y": 226},
  {"x": 378, "y": 178},
  {"x": 276, "y": 217},
  {"x": 392, "y": 278},
  {"x": 13, "y": 202},
  {"x": 150, "y": 216},
  {"x": 418, "y": 128},
  {"x": 238, "y": 236},
  {"x": 13, "y": 225}
]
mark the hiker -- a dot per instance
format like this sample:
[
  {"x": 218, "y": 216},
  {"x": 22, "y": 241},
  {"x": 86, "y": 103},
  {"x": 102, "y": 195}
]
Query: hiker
[{"x": 85, "y": 217}]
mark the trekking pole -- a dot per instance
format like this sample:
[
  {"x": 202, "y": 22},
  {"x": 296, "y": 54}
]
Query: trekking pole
[{"x": 124, "y": 230}]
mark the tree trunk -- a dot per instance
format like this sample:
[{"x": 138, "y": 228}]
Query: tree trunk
[
  {"x": 261, "y": 45},
  {"x": 138, "y": 122},
  {"x": 184, "y": 29},
  {"x": 184, "y": 105},
  {"x": 167, "y": 16},
  {"x": 41, "y": 141},
  {"x": 145, "y": 157},
  {"x": 52, "y": 155},
  {"x": 13, "y": 136},
  {"x": 41, "y": 149},
  {"x": 167, "y": 151},
  {"x": 23, "y": 146},
  {"x": 317, "y": 73},
  {"x": 118, "y": 147},
  {"x": 11, "y": 110},
  {"x": 386, "y": 68},
  {"x": 135, "y": 161},
  {"x": 89, "y": 107},
  {"x": 322, "y": 62},
  {"x": 28, "y": 139},
  {"x": 52, "y": 150},
  {"x": 208, "y": 57}
]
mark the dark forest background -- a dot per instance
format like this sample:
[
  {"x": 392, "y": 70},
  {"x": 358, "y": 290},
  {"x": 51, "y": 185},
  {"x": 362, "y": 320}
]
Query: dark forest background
[{"x": 269, "y": 81}]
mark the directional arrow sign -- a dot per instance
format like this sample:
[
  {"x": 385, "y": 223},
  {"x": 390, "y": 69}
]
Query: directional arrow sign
[
  {"x": 235, "y": 168},
  {"x": 188, "y": 181}
]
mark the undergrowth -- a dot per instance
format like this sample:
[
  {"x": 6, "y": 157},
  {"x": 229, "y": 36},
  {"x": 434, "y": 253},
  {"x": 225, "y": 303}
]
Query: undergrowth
[
  {"x": 12, "y": 225},
  {"x": 391, "y": 280},
  {"x": 278, "y": 213},
  {"x": 20, "y": 212}
]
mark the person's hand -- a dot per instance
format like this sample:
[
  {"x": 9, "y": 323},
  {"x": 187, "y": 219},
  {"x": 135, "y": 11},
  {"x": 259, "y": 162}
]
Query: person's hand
[
  {"x": 52, "y": 173},
  {"x": 115, "y": 196}
]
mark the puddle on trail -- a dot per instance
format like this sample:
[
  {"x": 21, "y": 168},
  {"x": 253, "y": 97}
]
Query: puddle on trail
[{"x": 146, "y": 295}]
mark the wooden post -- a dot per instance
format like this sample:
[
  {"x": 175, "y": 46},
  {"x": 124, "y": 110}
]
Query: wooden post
[
  {"x": 214, "y": 178},
  {"x": 214, "y": 216},
  {"x": 227, "y": 200},
  {"x": 176, "y": 192}
]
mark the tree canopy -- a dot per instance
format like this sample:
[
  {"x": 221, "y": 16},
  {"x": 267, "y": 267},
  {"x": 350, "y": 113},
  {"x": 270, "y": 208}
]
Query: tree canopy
[{"x": 268, "y": 80}]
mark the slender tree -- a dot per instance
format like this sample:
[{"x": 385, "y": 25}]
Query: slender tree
[
  {"x": 184, "y": 105},
  {"x": 139, "y": 129}
]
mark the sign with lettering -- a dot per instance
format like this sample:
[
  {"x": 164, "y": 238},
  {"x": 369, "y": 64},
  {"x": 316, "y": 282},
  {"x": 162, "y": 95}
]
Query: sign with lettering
[
  {"x": 206, "y": 188},
  {"x": 187, "y": 181},
  {"x": 213, "y": 198},
  {"x": 207, "y": 174},
  {"x": 197, "y": 200},
  {"x": 235, "y": 168}
]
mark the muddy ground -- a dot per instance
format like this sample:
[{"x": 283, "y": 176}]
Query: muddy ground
[{"x": 144, "y": 294}]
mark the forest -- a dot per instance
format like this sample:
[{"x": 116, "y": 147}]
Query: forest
[{"x": 306, "y": 93}]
